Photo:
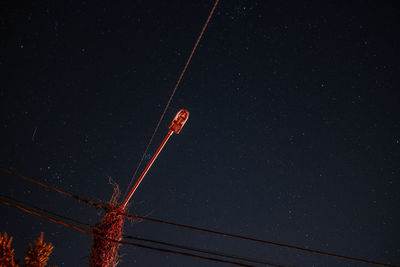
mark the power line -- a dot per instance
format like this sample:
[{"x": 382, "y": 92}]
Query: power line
[
  {"x": 33, "y": 212},
  {"x": 31, "y": 207},
  {"x": 62, "y": 192},
  {"x": 252, "y": 260},
  {"x": 314, "y": 251},
  {"x": 173, "y": 93},
  {"x": 89, "y": 226}
]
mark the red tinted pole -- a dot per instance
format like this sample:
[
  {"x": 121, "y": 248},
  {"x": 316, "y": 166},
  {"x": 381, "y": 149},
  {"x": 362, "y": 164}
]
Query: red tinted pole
[
  {"x": 146, "y": 169},
  {"x": 175, "y": 127}
]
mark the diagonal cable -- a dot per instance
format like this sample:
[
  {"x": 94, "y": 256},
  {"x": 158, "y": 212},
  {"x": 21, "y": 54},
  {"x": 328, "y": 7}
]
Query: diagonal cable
[
  {"x": 172, "y": 94},
  {"x": 234, "y": 236},
  {"x": 75, "y": 222},
  {"x": 33, "y": 212}
]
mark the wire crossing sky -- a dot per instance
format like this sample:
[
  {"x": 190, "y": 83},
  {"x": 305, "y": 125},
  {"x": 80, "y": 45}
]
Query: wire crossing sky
[
  {"x": 106, "y": 208},
  {"x": 78, "y": 226},
  {"x": 174, "y": 91},
  {"x": 293, "y": 134}
]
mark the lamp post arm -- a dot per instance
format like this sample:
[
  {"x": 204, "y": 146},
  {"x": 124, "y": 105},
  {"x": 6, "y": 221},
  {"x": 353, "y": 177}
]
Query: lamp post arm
[{"x": 170, "y": 132}]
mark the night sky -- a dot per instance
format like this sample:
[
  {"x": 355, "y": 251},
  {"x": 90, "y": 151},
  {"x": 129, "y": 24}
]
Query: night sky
[{"x": 293, "y": 135}]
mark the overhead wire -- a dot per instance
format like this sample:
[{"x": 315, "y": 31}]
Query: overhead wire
[
  {"x": 252, "y": 260},
  {"x": 35, "y": 208},
  {"x": 89, "y": 226},
  {"x": 45, "y": 185},
  {"x": 98, "y": 205},
  {"x": 313, "y": 251},
  {"x": 172, "y": 94},
  {"x": 35, "y": 211},
  {"x": 234, "y": 236}
]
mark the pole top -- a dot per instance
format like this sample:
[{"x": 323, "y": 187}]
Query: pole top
[{"x": 179, "y": 120}]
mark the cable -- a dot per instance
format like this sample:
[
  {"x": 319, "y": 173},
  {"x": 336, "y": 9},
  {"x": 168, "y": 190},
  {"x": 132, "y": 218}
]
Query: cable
[
  {"x": 258, "y": 261},
  {"x": 89, "y": 226},
  {"x": 45, "y": 211},
  {"x": 259, "y": 240},
  {"x": 199, "y": 228},
  {"x": 116, "y": 241},
  {"x": 172, "y": 94},
  {"x": 29, "y": 179}
]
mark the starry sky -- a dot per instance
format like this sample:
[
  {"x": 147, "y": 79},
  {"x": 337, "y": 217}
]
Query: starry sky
[{"x": 293, "y": 135}]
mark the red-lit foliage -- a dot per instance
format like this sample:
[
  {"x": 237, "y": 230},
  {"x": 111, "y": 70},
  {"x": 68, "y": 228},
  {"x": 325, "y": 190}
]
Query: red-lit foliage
[
  {"x": 105, "y": 252},
  {"x": 38, "y": 254},
  {"x": 6, "y": 252}
]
